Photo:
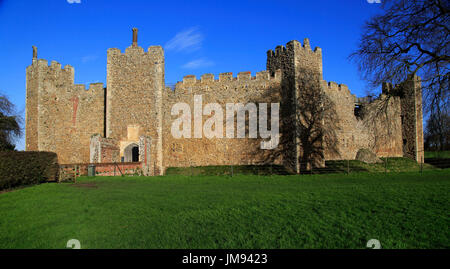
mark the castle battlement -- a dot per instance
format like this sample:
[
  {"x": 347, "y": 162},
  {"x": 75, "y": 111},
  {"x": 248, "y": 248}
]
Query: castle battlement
[
  {"x": 295, "y": 59},
  {"x": 64, "y": 76},
  {"x": 94, "y": 88},
  {"x": 334, "y": 86},
  {"x": 54, "y": 65},
  {"x": 151, "y": 51},
  {"x": 291, "y": 46},
  {"x": 41, "y": 63},
  {"x": 54, "y": 69},
  {"x": 228, "y": 77}
]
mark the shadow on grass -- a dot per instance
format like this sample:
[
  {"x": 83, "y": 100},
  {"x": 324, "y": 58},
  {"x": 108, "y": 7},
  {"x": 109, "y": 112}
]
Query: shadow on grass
[
  {"x": 441, "y": 163},
  {"x": 331, "y": 167},
  {"x": 338, "y": 167},
  {"x": 228, "y": 170}
]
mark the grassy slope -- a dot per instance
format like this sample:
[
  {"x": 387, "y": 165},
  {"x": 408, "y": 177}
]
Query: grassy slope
[{"x": 406, "y": 210}]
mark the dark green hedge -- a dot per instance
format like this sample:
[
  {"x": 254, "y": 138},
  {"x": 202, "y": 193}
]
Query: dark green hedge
[{"x": 27, "y": 167}]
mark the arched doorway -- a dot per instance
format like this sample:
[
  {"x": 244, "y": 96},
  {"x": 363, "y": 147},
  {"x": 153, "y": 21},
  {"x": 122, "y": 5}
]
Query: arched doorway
[
  {"x": 131, "y": 153},
  {"x": 135, "y": 154}
]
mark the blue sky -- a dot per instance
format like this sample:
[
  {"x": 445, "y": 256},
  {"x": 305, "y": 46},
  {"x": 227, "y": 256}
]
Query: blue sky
[{"x": 198, "y": 36}]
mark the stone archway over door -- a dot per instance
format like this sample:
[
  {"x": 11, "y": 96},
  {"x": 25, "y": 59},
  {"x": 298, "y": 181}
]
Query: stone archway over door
[{"x": 131, "y": 153}]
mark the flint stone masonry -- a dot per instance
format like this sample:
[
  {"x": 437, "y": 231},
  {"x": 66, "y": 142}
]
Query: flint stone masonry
[
  {"x": 96, "y": 124},
  {"x": 135, "y": 81},
  {"x": 378, "y": 129},
  {"x": 262, "y": 88},
  {"x": 60, "y": 115},
  {"x": 103, "y": 150},
  {"x": 410, "y": 92}
]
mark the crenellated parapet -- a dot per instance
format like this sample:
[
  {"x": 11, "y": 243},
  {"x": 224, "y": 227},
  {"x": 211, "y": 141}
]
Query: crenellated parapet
[
  {"x": 41, "y": 68},
  {"x": 228, "y": 78},
  {"x": 292, "y": 46},
  {"x": 341, "y": 91},
  {"x": 262, "y": 87},
  {"x": 60, "y": 81},
  {"x": 92, "y": 88},
  {"x": 134, "y": 50},
  {"x": 154, "y": 52},
  {"x": 295, "y": 58},
  {"x": 334, "y": 86}
]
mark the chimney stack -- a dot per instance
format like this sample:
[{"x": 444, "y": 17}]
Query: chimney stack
[
  {"x": 135, "y": 37},
  {"x": 34, "y": 54}
]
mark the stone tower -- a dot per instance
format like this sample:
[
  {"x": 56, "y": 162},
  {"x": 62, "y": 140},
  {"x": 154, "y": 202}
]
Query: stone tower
[
  {"x": 296, "y": 62},
  {"x": 135, "y": 81},
  {"x": 60, "y": 115},
  {"x": 410, "y": 93}
]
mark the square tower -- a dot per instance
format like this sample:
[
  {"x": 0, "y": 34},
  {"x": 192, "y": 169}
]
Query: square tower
[
  {"x": 301, "y": 69},
  {"x": 135, "y": 81}
]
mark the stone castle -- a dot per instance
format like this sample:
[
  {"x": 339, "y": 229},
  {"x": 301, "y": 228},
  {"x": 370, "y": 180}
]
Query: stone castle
[{"x": 130, "y": 119}]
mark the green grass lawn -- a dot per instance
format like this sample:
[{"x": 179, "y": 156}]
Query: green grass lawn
[
  {"x": 438, "y": 154},
  {"x": 351, "y": 166},
  {"x": 401, "y": 210}
]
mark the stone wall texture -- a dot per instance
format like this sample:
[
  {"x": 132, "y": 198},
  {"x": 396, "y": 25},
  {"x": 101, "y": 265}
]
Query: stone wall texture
[
  {"x": 96, "y": 124},
  {"x": 244, "y": 89},
  {"x": 60, "y": 115},
  {"x": 378, "y": 127}
]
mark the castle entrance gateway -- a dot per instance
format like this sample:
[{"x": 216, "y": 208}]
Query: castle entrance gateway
[
  {"x": 108, "y": 151},
  {"x": 131, "y": 153}
]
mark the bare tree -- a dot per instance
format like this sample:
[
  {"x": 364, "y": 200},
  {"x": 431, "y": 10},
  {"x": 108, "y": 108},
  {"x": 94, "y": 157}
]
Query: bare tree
[
  {"x": 308, "y": 123},
  {"x": 9, "y": 124},
  {"x": 435, "y": 137},
  {"x": 316, "y": 118},
  {"x": 411, "y": 37}
]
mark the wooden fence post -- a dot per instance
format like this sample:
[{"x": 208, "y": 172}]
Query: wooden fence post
[
  {"x": 76, "y": 173},
  {"x": 421, "y": 166}
]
